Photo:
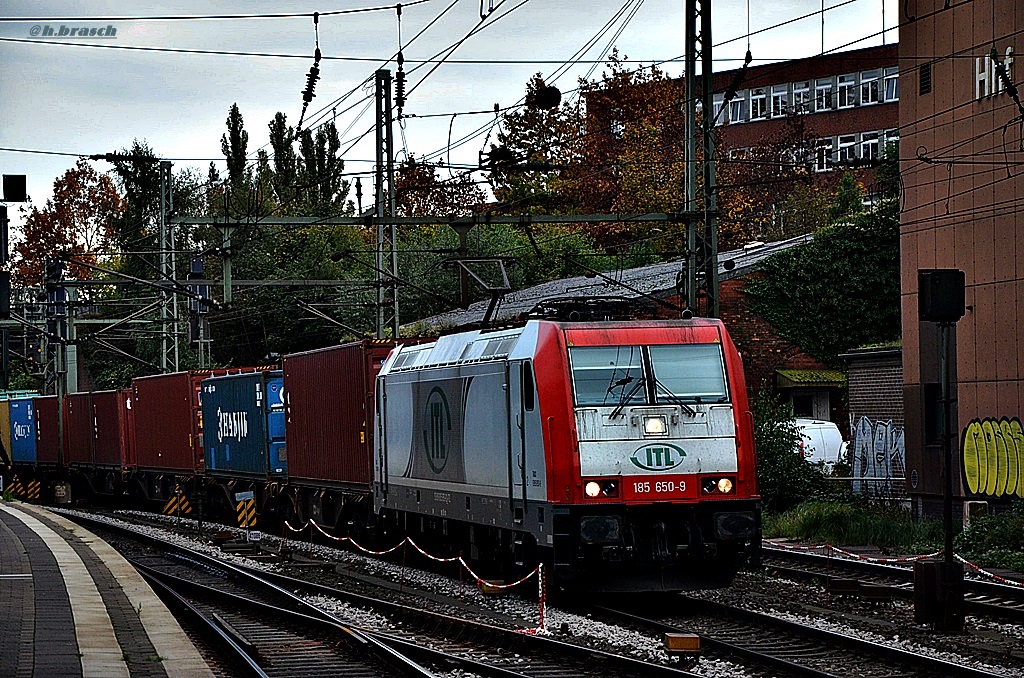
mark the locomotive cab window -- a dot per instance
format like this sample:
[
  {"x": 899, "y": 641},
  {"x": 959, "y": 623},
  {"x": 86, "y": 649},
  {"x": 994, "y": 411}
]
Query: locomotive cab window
[
  {"x": 607, "y": 375},
  {"x": 694, "y": 372},
  {"x": 527, "y": 387},
  {"x": 617, "y": 375}
]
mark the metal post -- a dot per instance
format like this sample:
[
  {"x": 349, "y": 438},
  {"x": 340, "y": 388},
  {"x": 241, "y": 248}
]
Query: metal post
[
  {"x": 690, "y": 152},
  {"x": 708, "y": 161},
  {"x": 71, "y": 351},
  {"x": 169, "y": 305},
  {"x": 701, "y": 274},
  {"x": 952, "y": 586},
  {"x": 386, "y": 252},
  {"x": 226, "y": 254}
]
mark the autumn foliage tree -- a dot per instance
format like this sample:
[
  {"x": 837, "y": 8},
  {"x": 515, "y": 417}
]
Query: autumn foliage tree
[{"x": 77, "y": 221}]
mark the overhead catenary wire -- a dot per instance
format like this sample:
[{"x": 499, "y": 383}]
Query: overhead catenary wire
[{"x": 206, "y": 17}]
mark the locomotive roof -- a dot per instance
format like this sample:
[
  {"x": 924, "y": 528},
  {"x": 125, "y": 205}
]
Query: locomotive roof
[{"x": 483, "y": 345}]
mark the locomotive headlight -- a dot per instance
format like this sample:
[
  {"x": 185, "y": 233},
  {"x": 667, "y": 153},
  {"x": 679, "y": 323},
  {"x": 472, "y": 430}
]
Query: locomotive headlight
[
  {"x": 655, "y": 426},
  {"x": 592, "y": 489},
  {"x": 725, "y": 485}
]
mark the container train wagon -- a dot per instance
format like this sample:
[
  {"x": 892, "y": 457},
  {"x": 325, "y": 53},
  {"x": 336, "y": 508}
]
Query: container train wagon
[{"x": 620, "y": 453}]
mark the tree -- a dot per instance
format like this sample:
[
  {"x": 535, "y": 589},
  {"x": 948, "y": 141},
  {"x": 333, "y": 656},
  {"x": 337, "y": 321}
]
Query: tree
[
  {"x": 535, "y": 147},
  {"x": 849, "y": 198},
  {"x": 78, "y": 220},
  {"x": 420, "y": 191},
  {"x": 841, "y": 290},
  {"x": 322, "y": 190},
  {"x": 286, "y": 163},
  {"x": 234, "y": 144},
  {"x": 784, "y": 479}
]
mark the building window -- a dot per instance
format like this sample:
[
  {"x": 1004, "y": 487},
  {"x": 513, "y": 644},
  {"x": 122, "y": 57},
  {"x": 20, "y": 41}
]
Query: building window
[
  {"x": 718, "y": 102},
  {"x": 802, "y": 97},
  {"x": 780, "y": 100},
  {"x": 736, "y": 109},
  {"x": 892, "y": 84},
  {"x": 823, "y": 156},
  {"x": 869, "y": 93},
  {"x": 847, "y": 148},
  {"x": 758, "y": 104},
  {"x": 616, "y": 126},
  {"x": 823, "y": 94},
  {"x": 803, "y": 405},
  {"x": 869, "y": 145},
  {"x": 847, "y": 91}
]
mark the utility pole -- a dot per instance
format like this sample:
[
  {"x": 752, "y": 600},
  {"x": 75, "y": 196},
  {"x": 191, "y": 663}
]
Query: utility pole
[
  {"x": 702, "y": 236},
  {"x": 387, "y": 252},
  {"x": 169, "y": 298}
]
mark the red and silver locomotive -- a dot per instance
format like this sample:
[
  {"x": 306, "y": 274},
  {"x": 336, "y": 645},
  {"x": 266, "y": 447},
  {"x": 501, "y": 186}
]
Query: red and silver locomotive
[{"x": 621, "y": 453}]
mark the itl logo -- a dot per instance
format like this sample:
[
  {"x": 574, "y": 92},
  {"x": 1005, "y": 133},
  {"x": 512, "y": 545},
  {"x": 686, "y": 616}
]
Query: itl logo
[
  {"x": 438, "y": 418},
  {"x": 987, "y": 82},
  {"x": 660, "y": 457}
]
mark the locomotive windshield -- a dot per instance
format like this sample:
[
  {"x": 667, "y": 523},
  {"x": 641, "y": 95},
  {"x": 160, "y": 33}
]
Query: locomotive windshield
[
  {"x": 608, "y": 375},
  {"x": 642, "y": 375}
]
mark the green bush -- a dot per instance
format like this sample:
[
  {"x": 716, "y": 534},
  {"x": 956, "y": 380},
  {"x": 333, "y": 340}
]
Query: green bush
[
  {"x": 857, "y": 523},
  {"x": 783, "y": 477},
  {"x": 995, "y": 541}
]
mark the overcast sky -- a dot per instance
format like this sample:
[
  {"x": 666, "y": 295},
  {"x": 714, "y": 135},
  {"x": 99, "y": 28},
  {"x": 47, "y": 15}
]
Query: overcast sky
[{"x": 84, "y": 100}]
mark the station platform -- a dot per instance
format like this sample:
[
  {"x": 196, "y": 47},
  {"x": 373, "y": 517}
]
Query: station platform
[{"x": 70, "y": 605}]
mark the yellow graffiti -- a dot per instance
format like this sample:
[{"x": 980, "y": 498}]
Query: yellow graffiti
[{"x": 993, "y": 457}]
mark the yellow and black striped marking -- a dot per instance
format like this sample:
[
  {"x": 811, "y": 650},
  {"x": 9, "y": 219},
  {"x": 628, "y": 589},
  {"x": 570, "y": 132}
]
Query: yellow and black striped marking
[
  {"x": 178, "y": 504},
  {"x": 246, "y": 513},
  {"x": 34, "y": 489},
  {"x": 17, "y": 488}
]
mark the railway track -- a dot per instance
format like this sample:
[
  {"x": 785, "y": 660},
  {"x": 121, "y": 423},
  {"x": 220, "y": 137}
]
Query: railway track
[
  {"x": 242, "y": 605},
  {"x": 983, "y": 598},
  {"x": 787, "y": 647}
]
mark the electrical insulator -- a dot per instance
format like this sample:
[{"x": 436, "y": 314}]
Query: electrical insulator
[
  {"x": 400, "y": 84},
  {"x": 311, "y": 78}
]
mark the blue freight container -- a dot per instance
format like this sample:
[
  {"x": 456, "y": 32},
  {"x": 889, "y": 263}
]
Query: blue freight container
[
  {"x": 243, "y": 424},
  {"x": 23, "y": 431}
]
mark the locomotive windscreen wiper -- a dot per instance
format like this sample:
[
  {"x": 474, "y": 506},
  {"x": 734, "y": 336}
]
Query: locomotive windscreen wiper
[
  {"x": 626, "y": 397},
  {"x": 673, "y": 398}
]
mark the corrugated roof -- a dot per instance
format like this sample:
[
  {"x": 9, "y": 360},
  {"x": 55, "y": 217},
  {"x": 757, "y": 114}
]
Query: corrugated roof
[
  {"x": 811, "y": 377},
  {"x": 653, "y": 279}
]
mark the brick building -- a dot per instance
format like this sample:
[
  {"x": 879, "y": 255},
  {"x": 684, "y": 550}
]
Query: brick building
[
  {"x": 963, "y": 189},
  {"x": 850, "y": 99},
  {"x": 877, "y": 424}
]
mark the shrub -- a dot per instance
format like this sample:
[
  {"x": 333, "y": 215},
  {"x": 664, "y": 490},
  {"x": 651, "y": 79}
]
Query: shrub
[
  {"x": 856, "y": 523},
  {"x": 996, "y": 540},
  {"x": 783, "y": 477}
]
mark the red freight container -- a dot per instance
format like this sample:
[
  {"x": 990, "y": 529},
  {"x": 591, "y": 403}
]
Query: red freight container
[
  {"x": 127, "y": 413},
  {"x": 109, "y": 433},
  {"x": 329, "y": 413},
  {"x": 78, "y": 429},
  {"x": 47, "y": 439},
  {"x": 169, "y": 419}
]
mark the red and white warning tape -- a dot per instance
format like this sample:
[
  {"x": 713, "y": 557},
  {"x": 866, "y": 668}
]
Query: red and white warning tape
[
  {"x": 990, "y": 575},
  {"x": 537, "y": 571},
  {"x": 908, "y": 559},
  {"x": 848, "y": 554}
]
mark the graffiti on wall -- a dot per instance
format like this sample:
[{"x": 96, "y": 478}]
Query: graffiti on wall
[
  {"x": 879, "y": 458},
  {"x": 993, "y": 455}
]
